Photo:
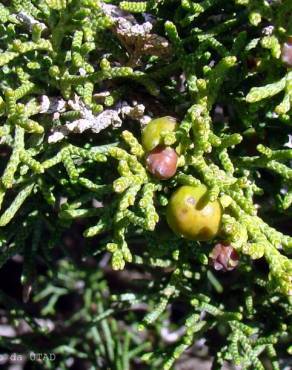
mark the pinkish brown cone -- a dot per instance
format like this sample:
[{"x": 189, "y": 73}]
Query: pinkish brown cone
[
  {"x": 287, "y": 52},
  {"x": 224, "y": 257},
  {"x": 162, "y": 162}
]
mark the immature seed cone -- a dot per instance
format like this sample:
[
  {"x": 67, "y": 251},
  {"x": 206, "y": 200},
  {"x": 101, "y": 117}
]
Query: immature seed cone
[
  {"x": 162, "y": 162},
  {"x": 152, "y": 135},
  {"x": 190, "y": 217},
  {"x": 287, "y": 52},
  {"x": 224, "y": 257}
]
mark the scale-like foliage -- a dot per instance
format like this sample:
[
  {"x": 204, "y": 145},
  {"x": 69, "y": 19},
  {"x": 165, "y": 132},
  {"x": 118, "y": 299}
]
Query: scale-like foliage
[{"x": 71, "y": 155}]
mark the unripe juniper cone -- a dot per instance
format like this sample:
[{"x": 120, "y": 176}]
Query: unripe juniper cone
[
  {"x": 189, "y": 216},
  {"x": 152, "y": 135}
]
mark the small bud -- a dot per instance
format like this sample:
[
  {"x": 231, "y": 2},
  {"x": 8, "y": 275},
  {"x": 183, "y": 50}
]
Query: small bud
[
  {"x": 223, "y": 257},
  {"x": 162, "y": 162},
  {"x": 287, "y": 52}
]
